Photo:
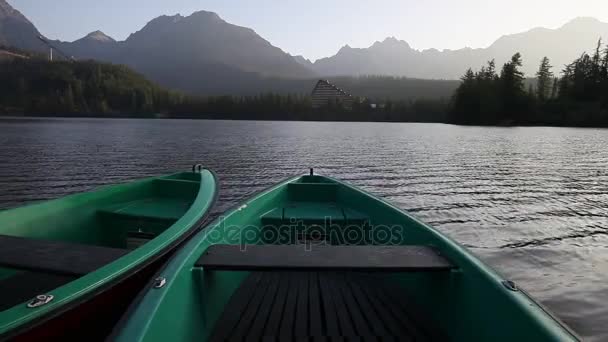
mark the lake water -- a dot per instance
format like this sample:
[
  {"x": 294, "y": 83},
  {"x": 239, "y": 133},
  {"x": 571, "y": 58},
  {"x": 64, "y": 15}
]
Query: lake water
[{"x": 531, "y": 202}]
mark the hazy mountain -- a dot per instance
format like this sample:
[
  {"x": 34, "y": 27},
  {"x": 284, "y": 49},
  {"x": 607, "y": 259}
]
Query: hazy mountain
[
  {"x": 303, "y": 61},
  {"x": 95, "y": 45},
  {"x": 205, "y": 39},
  {"x": 98, "y": 36},
  {"x": 200, "y": 53},
  {"x": 16, "y": 30},
  {"x": 396, "y": 57}
]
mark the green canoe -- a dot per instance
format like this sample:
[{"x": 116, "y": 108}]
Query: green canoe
[
  {"x": 69, "y": 266},
  {"x": 315, "y": 257}
]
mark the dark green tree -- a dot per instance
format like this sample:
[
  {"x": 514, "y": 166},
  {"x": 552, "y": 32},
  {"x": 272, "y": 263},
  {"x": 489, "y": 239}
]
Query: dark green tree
[
  {"x": 465, "y": 101},
  {"x": 554, "y": 88},
  {"x": 513, "y": 94},
  {"x": 512, "y": 78},
  {"x": 544, "y": 80}
]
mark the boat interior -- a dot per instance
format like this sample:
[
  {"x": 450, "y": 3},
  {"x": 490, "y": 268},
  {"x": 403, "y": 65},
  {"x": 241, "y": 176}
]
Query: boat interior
[
  {"x": 289, "y": 306},
  {"x": 44, "y": 246},
  {"x": 308, "y": 288},
  {"x": 286, "y": 265}
]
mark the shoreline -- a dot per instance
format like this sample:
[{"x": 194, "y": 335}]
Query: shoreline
[{"x": 164, "y": 117}]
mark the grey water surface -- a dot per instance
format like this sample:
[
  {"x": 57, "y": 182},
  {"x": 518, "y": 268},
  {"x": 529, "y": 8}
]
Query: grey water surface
[{"x": 530, "y": 202}]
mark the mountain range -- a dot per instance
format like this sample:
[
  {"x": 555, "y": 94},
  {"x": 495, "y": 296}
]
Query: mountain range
[
  {"x": 396, "y": 57},
  {"x": 204, "y": 54}
]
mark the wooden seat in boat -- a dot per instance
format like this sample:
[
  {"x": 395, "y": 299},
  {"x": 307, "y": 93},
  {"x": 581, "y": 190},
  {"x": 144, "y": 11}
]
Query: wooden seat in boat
[
  {"x": 322, "y": 257},
  {"x": 55, "y": 257}
]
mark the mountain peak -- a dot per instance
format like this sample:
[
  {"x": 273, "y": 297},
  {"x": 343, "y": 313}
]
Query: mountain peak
[
  {"x": 303, "y": 60},
  {"x": 7, "y": 11},
  {"x": 164, "y": 19},
  {"x": 391, "y": 42},
  {"x": 345, "y": 48},
  {"x": 205, "y": 15},
  {"x": 169, "y": 22},
  {"x": 582, "y": 23},
  {"x": 99, "y": 36},
  {"x": 583, "y": 20}
]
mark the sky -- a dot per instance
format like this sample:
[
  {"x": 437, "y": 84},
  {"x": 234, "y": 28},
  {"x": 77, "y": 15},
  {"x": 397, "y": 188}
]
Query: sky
[{"x": 319, "y": 28}]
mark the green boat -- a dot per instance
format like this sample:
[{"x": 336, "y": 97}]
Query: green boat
[
  {"x": 315, "y": 257},
  {"x": 69, "y": 267}
]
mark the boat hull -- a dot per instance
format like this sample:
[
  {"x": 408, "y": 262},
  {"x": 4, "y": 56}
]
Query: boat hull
[
  {"x": 88, "y": 306},
  {"x": 93, "y": 319}
]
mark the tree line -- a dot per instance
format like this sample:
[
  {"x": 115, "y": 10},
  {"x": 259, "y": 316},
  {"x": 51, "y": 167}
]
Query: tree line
[
  {"x": 578, "y": 98},
  {"x": 35, "y": 86},
  {"x": 490, "y": 96}
]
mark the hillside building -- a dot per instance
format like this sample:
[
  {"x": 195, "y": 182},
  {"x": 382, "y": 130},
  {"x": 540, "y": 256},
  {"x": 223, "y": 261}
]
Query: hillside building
[{"x": 326, "y": 94}]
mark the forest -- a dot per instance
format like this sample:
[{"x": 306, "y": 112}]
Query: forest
[
  {"x": 35, "y": 86},
  {"x": 578, "y": 98}
]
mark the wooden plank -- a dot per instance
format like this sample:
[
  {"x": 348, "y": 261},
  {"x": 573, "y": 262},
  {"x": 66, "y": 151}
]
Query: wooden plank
[
  {"x": 289, "y": 312},
  {"x": 314, "y": 300},
  {"x": 418, "y": 316},
  {"x": 274, "y": 320},
  {"x": 390, "y": 322},
  {"x": 329, "y": 308},
  {"x": 301, "y": 324},
  {"x": 323, "y": 257},
  {"x": 346, "y": 325},
  {"x": 256, "y": 331},
  {"x": 282, "y": 306},
  {"x": 359, "y": 322},
  {"x": 236, "y": 305},
  {"x": 367, "y": 309},
  {"x": 55, "y": 257},
  {"x": 400, "y": 314},
  {"x": 245, "y": 323}
]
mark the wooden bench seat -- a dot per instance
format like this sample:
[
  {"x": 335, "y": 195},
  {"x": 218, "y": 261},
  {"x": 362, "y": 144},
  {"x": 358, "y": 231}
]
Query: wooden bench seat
[
  {"x": 55, "y": 257},
  {"x": 323, "y": 257}
]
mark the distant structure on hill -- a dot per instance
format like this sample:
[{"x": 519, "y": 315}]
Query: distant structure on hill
[{"x": 326, "y": 94}]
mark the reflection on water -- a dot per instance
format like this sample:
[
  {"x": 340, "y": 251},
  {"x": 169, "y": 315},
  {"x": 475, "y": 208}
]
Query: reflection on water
[{"x": 531, "y": 202}]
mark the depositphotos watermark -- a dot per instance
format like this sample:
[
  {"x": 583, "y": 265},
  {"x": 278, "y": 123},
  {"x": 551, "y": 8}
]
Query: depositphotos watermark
[{"x": 298, "y": 232}]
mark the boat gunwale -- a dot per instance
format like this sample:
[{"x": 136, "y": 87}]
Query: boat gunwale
[{"x": 75, "y": 299}]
